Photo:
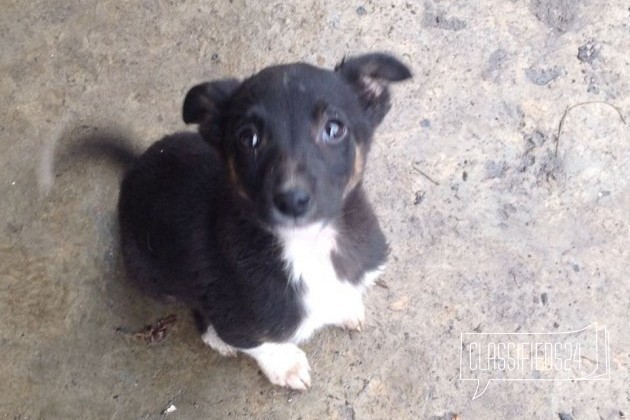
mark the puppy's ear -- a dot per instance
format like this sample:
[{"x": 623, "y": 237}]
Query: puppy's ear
[
  {"x": 370, "y": 76},
  {"x": 203, "y": 103}
]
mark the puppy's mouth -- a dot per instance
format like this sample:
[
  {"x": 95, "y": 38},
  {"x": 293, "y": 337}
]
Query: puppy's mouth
[{"x": 283, "y": 220}]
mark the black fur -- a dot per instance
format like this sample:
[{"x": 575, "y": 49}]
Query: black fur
[
  {"x": 362, "y": 245},
  {"x": 199, "y": 214}
]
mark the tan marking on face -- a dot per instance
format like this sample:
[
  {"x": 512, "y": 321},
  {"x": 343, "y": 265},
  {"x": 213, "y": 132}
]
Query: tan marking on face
[
  {"x": 235, "y": 180},
  {"x": 357, "y": 173}
]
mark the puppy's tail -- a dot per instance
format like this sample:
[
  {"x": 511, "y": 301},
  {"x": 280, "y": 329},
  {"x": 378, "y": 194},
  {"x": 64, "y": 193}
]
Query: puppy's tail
[
  {"x": 108, "y": 145},
  {"x": 83, "y": 144}
]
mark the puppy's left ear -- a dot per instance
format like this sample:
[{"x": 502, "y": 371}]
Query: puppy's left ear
[
  {"x": 203, "y": 104},
  {"x": 370, "y": 76}
]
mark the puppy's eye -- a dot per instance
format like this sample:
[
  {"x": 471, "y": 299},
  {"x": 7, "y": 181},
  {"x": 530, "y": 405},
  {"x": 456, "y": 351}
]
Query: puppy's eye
[
  {"x": 248, "y": 137},
  {"x": 334, "y": 131}
]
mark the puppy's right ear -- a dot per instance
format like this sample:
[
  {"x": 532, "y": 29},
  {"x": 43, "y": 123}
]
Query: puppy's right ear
[{"x": 203, "y": 102}]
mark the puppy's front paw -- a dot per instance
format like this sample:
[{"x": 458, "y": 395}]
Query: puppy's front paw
[
  {"x": 211, "y": 338},
  {"x": 355, "y": 319},
  {"x": 353, "y": 324},
  {"x": 284, "y": 364}
]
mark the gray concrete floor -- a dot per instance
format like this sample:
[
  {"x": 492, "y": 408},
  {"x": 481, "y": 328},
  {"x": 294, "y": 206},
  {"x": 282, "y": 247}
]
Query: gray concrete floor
[{"x": 503, "y": 234}]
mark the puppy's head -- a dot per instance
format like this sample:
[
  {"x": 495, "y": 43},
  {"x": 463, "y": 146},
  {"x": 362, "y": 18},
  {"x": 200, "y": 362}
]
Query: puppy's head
[{"x": 295, "y": 137}]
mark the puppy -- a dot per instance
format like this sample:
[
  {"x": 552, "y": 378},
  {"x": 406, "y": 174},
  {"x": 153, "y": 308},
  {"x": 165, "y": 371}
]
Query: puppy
[{"x": 260, "y": 222}]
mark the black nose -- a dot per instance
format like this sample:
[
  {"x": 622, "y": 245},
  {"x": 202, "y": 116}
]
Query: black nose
[{"x": 292, "y": 202}]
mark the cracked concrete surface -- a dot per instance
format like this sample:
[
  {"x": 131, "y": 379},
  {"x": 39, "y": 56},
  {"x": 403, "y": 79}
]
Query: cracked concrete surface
[{"x": 501, "y": 178}]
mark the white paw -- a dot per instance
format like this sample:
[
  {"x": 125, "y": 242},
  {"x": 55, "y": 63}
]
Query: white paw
[
  {"x": 370, "y": 277},
  {"x": 211, "y": 338},
  {"x": 353, "y": 324},
  {"x": 354, "y": 318},
  {"x": 284, "y": 364}
]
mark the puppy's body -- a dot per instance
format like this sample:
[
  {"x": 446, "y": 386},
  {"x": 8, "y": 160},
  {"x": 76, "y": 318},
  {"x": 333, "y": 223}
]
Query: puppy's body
[{"x": 260, "y": 223}]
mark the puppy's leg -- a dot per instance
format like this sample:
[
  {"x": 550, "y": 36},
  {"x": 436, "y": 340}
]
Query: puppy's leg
[
  {"x": 211, "y": 338},
  {"x": 284, "y": 364},
  {"x": 352, "y": 313}
]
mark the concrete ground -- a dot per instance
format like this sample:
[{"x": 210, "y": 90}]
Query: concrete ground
[{"x": 501, "y": 177}]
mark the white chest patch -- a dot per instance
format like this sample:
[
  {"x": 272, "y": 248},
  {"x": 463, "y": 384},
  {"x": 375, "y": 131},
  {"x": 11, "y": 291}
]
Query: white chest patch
[{"x": 327, "y": 299}]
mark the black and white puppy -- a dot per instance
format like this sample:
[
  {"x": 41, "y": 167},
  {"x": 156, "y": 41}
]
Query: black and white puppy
[{"x": 260, "y": 223}]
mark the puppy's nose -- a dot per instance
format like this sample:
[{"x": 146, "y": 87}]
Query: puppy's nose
[{"x": 292, "y": 202}]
